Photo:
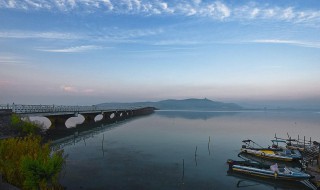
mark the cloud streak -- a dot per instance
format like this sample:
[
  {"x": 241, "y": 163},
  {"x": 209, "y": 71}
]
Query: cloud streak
[
  {"x": 41, "y": 35},
  {"x": 75, "y": 49},
  {"x": 69, "y": 89},
  {"x": 12, "y": 60},
  {"x": 288, "y": 42},
  {"x": 214, "y": 9},
  {"x": 73, "y": 89}
]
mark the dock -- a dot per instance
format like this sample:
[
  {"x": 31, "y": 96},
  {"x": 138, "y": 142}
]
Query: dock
[{"x": 310, "y": 151}]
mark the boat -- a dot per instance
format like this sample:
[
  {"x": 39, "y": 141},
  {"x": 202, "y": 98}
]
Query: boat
[
  {"x": 246, "y": 156},
  {"x": 245, "y": 181},
  {"x": 273, "y": 153},
  {"x": 294, "y": 144},
  {"x": 266, "y": 171},
  {"x": 302, "y": 145}
]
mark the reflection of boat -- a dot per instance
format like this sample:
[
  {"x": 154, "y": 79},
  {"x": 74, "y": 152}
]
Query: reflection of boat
[
  {"x": 274, "y": 153},
  {"x": 267, "y": 171},
  {"x": 245, "y": 181}
]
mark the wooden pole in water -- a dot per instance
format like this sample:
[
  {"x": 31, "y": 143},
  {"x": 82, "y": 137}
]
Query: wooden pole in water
[
  {"x": 290, "y": 139},
  {"x": 102, "y": 144},
  {"x": 209, "y": 146},
  {"x": 195, "y": 152},
  {"x": 304, "y": 141},
  {"x": 195, "y": 156},
  {"x": 182, "y": 169}
]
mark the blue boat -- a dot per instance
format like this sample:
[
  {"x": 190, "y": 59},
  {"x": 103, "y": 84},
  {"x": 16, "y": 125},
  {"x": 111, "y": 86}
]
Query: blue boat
[{"x": 267, "y": 171}]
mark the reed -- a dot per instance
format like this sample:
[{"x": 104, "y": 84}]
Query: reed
[{"x": 28, "y": 164}]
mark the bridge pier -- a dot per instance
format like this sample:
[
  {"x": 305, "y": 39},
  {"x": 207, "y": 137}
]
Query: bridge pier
[
  {"x": 107, "y": 117},
  {"x": 121, "y": 115},
  {"x": 59, "y": 121},
  {"x": 89, "y": 117}
]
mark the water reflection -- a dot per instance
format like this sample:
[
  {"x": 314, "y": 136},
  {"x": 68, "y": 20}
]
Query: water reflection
[
  {"x": 204, "y": 115},
  {"x": 173, "y": 152}
]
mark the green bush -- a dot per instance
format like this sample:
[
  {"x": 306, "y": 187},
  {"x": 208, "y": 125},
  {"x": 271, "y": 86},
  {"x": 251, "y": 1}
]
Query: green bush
[
  {"x": 28, "y": 164},
  {"x": 25, "y": 127}
]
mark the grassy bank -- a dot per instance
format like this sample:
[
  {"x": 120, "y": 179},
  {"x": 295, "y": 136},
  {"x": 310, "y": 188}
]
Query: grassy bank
[{"x": 26, "y": 161}]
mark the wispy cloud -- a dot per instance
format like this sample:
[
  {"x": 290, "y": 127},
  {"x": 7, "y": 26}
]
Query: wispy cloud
[
  {"x": 213, "y": 9},
  {"x": 41, "y": 35},
  {"x": 5, "y": 83},
  {"x": 75, "y": 49},
  {"x": 288, "y": 42},
  {"x": 177, "y": 42},
  {"x": 74, "y": 89},
  {"x": 12, "y": 60},
  {"x": 125, "y": 35},
  {"x": 113, "y": 35},
  {"x": 289, "y": 14},
  {"x": 69, "y": 89}
]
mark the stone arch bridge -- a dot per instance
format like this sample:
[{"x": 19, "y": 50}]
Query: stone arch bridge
[{"x": 58, "y": 114}]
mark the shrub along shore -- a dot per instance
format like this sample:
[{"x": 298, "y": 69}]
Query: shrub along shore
[{"x": 26, "y": 161}]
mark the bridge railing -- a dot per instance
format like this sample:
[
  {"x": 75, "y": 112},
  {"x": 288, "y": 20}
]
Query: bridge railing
[
  {"x": 20, "y": 108},
  {"x": 5, "y": 106}
]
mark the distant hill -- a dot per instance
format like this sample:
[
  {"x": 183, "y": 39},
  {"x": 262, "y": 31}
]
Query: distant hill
[{"x": 187, "y": 104}]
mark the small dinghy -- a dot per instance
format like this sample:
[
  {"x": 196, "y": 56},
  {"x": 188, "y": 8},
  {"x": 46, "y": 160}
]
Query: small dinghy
[
  {"x": 267, "y": 171},
  {"x": 273, "y": 153}
]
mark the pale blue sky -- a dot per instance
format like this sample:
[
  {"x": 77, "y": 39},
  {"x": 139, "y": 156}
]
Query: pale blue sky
[{"x": 91, "y": 51}]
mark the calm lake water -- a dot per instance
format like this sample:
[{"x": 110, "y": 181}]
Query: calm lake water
[{"x": 158, "y": 151}]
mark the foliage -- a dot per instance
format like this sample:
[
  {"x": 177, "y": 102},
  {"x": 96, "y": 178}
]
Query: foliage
[
  {"x": 26, "y": 163},
  {"x": 25, "y": 127}
]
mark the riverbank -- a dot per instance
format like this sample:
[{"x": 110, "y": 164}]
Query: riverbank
[{"x": 6, "y": 186}]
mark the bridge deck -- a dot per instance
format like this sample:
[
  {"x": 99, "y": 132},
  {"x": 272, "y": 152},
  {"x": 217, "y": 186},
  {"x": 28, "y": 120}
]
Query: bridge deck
[{"x": 50, "y": 109}]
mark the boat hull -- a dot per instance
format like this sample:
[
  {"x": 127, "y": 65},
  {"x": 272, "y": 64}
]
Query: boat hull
[
  {"x": 264, "y": 171},
  {"x": 268, "y": 174}
]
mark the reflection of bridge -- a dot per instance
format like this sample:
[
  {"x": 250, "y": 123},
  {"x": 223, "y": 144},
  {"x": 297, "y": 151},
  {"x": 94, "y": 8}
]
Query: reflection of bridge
[{"x": 58, "y": 115}]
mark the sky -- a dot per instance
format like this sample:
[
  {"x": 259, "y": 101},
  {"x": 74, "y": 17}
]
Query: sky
[{"x": 84, "y": 52}]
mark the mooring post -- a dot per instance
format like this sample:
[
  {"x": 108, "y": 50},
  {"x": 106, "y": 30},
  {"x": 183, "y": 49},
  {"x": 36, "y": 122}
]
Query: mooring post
[
  {"x": 310, "y": 140},
  {"x": 13, "y": 107},
  {"x": 304, "y": 142},
  {"x": 290, "y": 140},
  {"x": 102, "y": 145},
  {"x": 195, "y": 156},
  {"x": 182, "y": 169},
  {"x": 209, "y": 146},
  {"x": 195, "y": 152}
]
